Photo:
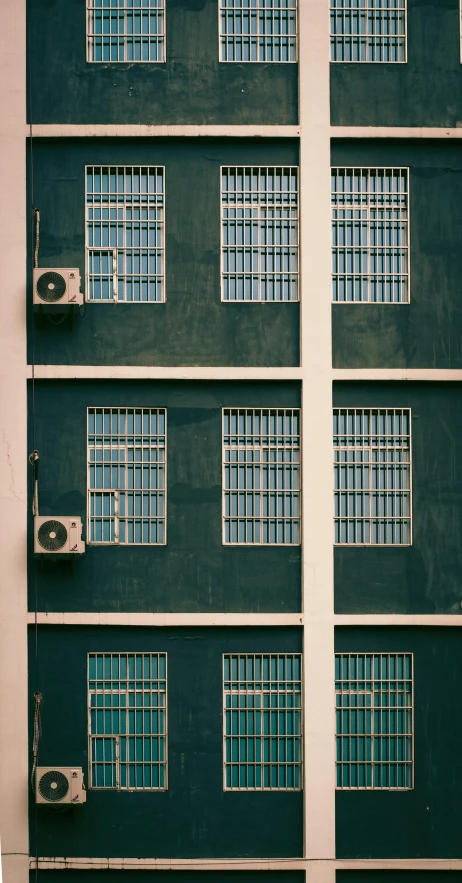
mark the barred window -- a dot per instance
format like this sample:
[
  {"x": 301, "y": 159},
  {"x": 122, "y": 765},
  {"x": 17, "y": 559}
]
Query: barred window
[
  {"x": 127, "y": 475},
  {"x": 262, "y": 722},
  {"x": 259, "y": 224},
  {"x": 125, "y": 234},
  {"x": 261, "y": 476},
  {"x": 374, "y": 720},
  {"x": 370, "y": 235},
  {"x": 368, "y": 30},
  {"x": 258, "y": 30},
  {"x": 125, "y": 30},
  {"x": 372, "y": 476},
  {"x": 127, "y": 720}
]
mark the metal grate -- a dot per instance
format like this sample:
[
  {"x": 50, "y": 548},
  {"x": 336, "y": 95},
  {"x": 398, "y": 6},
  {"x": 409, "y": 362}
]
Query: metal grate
[
  {"x": 372, "y": 476},
  {"x": 368, "y": 30},
  {"x": 374, "y": 720},
  {"x": 261, "y": 476},
  {"x": 127, "y": 720},
  {"x": 125, "y": 234},
  {"x": 262, "y": 722},
  {"x": 258, "y": 30},
  {"x": 127, "y": 475},
  {"x": 126, "y": 30},
  {"x": 259, "y": 224},
  {"x": 370, "y": 230}
]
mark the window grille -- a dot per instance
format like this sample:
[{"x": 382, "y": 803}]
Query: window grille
[
  {"x": 259, "y": 234},
  {"x": 258, "y": 30},
  {"x": 127, "y": 475},
  {"x": 368, "y": 30},
  {"x": 125, "y": 30},
  {"x": 372, "y": 476},
  {"x": 374, "y": 720},
  {"x": 262, "y": 722},
  {"x": 261, "y": 476},
  {"x": 370, "y": 221},
  {"x": 125, "y": 234},
  {"x": 127, "y": 720}
]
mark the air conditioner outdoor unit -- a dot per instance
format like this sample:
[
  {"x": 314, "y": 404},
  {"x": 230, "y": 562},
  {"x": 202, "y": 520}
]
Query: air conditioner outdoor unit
[
  {"x": 58, "y": 535},
  {"x": 59, "y": 785},
  {"x": 56, "y": 286}
]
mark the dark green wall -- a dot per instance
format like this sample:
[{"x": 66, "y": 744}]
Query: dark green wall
[
  {"x": 424, "y": 577},
  {"x": 191, "y": 87},
  {"x": 193, "y": 327},
  {"x": 425, "y": 822},
  {"x": 427, "y": 332},
  {"x": 427, "y": 91},
  {"x": 195, "y": 817},
  {"x": 194, "y": 571}
]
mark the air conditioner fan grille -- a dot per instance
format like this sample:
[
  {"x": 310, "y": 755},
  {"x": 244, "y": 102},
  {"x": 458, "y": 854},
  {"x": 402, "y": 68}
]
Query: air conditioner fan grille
[
  {"x": 53, "y": 785},
  {"x": 52, "y": 535},
  {"x": 51, "y": 287}
]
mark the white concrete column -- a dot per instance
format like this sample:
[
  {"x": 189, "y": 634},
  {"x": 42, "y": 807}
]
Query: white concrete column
[
  {"x": 315, "y": 253},
  {"x": 13, "y": 452}
]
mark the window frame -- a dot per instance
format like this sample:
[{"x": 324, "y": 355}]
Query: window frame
[
  {"x": 259, "y": 275},
  {"x": 407, "y": 763},
  {"x": 222, "y": 37},
  {"x": 115, "y": 276},
  {"x": 296, "y": 493},
  {"x": 300, "y": 735},
  {"x": 399, "y": 303},
  {"x": 404, "y": 60},
  {"x": 93, "y": 736},
  {"x": 370, "y": 409},
  {"x": 89, "y": 36},
  {"x": 118, "y": 544}
]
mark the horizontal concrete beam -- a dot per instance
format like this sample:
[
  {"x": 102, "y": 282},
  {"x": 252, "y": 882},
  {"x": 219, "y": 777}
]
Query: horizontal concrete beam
[
  {"x": 145, "y": 131},
  {"x": 159, "y": 620},
  {"x": 256, "y": 864}
]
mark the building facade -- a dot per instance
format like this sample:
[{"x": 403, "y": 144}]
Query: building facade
[{"x": 255, "y": 658}]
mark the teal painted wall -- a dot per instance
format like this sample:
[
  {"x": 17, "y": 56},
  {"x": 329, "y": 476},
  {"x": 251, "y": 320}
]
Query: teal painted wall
[
  {"x": 427, "y": 332},
  {"x": 194, "y": 571},
  {"x": 195, "y": 817},
  {"x": 425, "y": 822},
  {"x": 193, "y": 327},
  {"x": 424, "y": 577},
  {"x": 424, "y": 92},
  {"x": 192, "y": 87}
]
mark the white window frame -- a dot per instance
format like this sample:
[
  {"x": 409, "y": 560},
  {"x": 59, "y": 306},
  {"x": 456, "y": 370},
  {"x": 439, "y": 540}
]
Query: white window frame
[
  {"x": 222, "y": 44},
  {"x": 92, "y": 737},
  {"x": 363, "y": 492},
  {"x": 296, "y": 492},
  {"x": 116, "y": 491},
  {"x": 249, "y": 203},
  {"x": 409, "y": 764},
  {"x": 157, "y": 250},
  {"x": 366, "y": 36},
  {"x": 368, "y": 248},
  {"x": 162, "y": 43},
  {"x": 242, "y": 690}
]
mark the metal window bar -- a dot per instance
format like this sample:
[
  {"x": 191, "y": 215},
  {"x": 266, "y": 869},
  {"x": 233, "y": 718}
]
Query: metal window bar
[
  {"x": 372, "y": 476},
  {"x": 261, "y": 476},
  {"x": 127, "y": 476},
  {"x": 259, "y": 234},
  {"x": 127, "y": 720},
  {"x": 262, "y": 722},
  {"x": 126, "y": 31},
  {"x": 368, "y": 31},
  {"x": 374, "y": 720},
  {"x": 370, "y": 235},
  {"x": 125, "y": 234},
  {"x": 258, "y": 30}
]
